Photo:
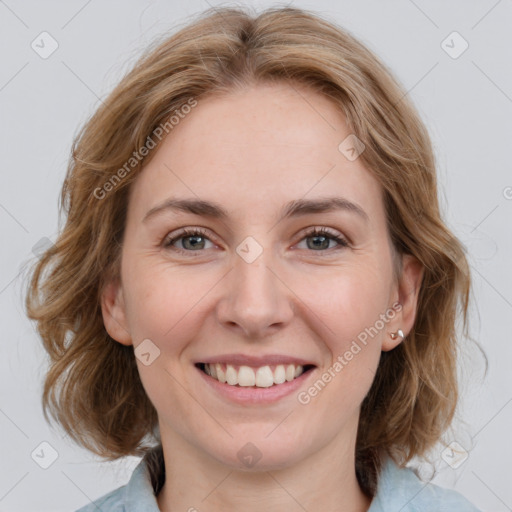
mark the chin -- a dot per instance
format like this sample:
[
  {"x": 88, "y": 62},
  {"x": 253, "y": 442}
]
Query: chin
[{"x": 254, "y": 452}]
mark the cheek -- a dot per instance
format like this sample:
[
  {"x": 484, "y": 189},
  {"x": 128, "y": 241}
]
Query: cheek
[
  {"x": 162, "y": 299},
  {"x": 347, "y": 301},
  {"x": 164, "y": 305},
  {"x": 351, "y": 306}
]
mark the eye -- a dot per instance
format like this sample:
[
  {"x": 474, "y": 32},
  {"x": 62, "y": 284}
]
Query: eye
[
  {"x": 321, "y": 238},
  {"x": 194, "y": 240},
  {"x": 191, "y": 240}
]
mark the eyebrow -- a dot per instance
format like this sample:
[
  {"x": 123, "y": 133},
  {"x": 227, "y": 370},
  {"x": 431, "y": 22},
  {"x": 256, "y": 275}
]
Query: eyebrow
[{"x": 294, "y": 208}]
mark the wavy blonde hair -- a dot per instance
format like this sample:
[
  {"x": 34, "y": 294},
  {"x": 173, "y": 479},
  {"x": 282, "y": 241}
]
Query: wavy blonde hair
[{"x": 92, "y": 387}]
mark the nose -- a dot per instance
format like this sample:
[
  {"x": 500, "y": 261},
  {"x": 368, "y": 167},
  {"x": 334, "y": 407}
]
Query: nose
[{"x": 256, "y": 301}]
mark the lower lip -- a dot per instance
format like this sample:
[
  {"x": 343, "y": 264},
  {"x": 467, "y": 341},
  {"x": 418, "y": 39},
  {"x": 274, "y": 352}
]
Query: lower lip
[{"x": 253, "y": 395}]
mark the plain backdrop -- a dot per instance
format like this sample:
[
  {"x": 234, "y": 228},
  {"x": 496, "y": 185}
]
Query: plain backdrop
[{"x": 464, "y": 97}]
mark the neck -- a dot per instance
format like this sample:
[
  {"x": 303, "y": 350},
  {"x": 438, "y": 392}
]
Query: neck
[{"x": 325, "y": 480}]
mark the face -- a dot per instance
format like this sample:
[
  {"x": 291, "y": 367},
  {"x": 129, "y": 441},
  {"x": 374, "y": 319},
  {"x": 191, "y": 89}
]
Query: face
[{"x": 250, "y": 284}]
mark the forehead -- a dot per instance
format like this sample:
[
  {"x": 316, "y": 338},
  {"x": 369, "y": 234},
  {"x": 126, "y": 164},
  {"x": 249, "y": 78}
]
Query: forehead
[{"x": 254, "y": 150}]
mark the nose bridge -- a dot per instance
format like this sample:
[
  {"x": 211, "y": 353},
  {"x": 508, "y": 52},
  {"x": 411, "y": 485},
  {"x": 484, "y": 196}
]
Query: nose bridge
[{"x": 255, "y": 300}]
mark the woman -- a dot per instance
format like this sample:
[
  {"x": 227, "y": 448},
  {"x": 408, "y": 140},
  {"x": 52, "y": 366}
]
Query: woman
[{"x": 254, "y": 288}]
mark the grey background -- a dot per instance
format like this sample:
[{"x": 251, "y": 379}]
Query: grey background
[{"x": 466, "y": 103}]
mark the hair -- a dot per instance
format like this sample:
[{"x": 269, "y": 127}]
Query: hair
[{"x": 92, "y": 387}]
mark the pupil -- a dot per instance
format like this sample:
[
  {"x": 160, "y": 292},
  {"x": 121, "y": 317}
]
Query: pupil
[
  {"x": 193, "y": 244},
  {"x": 323, "y": 243}
]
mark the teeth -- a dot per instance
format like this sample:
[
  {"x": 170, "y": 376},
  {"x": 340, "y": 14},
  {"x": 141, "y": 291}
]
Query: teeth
[
  {"x": 290, "y": 372},
  {"x": 221, "y": 376},
  {"x": 279, "y": 374},
  {"x": 245, "y": 376},
  {"x": 231, "y": 375},
  {"x": 264, "y": 377}
]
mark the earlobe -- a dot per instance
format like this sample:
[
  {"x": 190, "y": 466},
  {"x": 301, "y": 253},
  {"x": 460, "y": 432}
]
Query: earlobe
[
  {"x": 395, "y": 338},
  {"x": 114, "y": 314},
  {"x": 409, "y": 286}
]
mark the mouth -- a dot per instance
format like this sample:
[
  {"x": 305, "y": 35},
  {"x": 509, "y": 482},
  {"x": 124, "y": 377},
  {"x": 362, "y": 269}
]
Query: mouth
[{"x": 265, "y": 376}]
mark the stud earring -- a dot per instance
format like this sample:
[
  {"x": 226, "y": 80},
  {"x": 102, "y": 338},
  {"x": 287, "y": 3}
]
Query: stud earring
[{"x": 394, "y": 335}]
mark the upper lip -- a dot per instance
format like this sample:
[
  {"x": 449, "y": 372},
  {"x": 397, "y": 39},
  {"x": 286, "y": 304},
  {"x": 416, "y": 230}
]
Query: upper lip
[{"x": 256, "y": 361}]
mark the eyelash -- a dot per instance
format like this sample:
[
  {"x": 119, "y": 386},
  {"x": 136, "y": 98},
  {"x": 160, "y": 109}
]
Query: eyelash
[{"x": 199, "y": 232}]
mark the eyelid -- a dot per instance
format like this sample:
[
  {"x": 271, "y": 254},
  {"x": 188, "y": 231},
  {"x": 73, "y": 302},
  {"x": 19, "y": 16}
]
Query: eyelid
[
  {"x": 308, "y": 231},
  {"x": 187, "y": 232},
  {"x": 342, "y": 241}
]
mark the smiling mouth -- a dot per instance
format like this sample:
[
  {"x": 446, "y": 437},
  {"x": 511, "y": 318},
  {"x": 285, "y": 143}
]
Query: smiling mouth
[{"x": 260, "y": 377}]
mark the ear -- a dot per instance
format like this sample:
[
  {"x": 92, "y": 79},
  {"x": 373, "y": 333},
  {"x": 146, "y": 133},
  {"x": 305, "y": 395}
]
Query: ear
[
  {"x": 408, "y": 285},
  {"x": 114, "y": 313}
]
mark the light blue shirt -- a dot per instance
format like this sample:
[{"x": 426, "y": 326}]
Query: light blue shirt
[{"x": 398, "y": 490}]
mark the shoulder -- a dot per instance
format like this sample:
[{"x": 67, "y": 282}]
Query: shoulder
[
  {"x": 111, "y": 502},
  {"x": 138, "y": 495},
  {"x": 400, "y": 489}
]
